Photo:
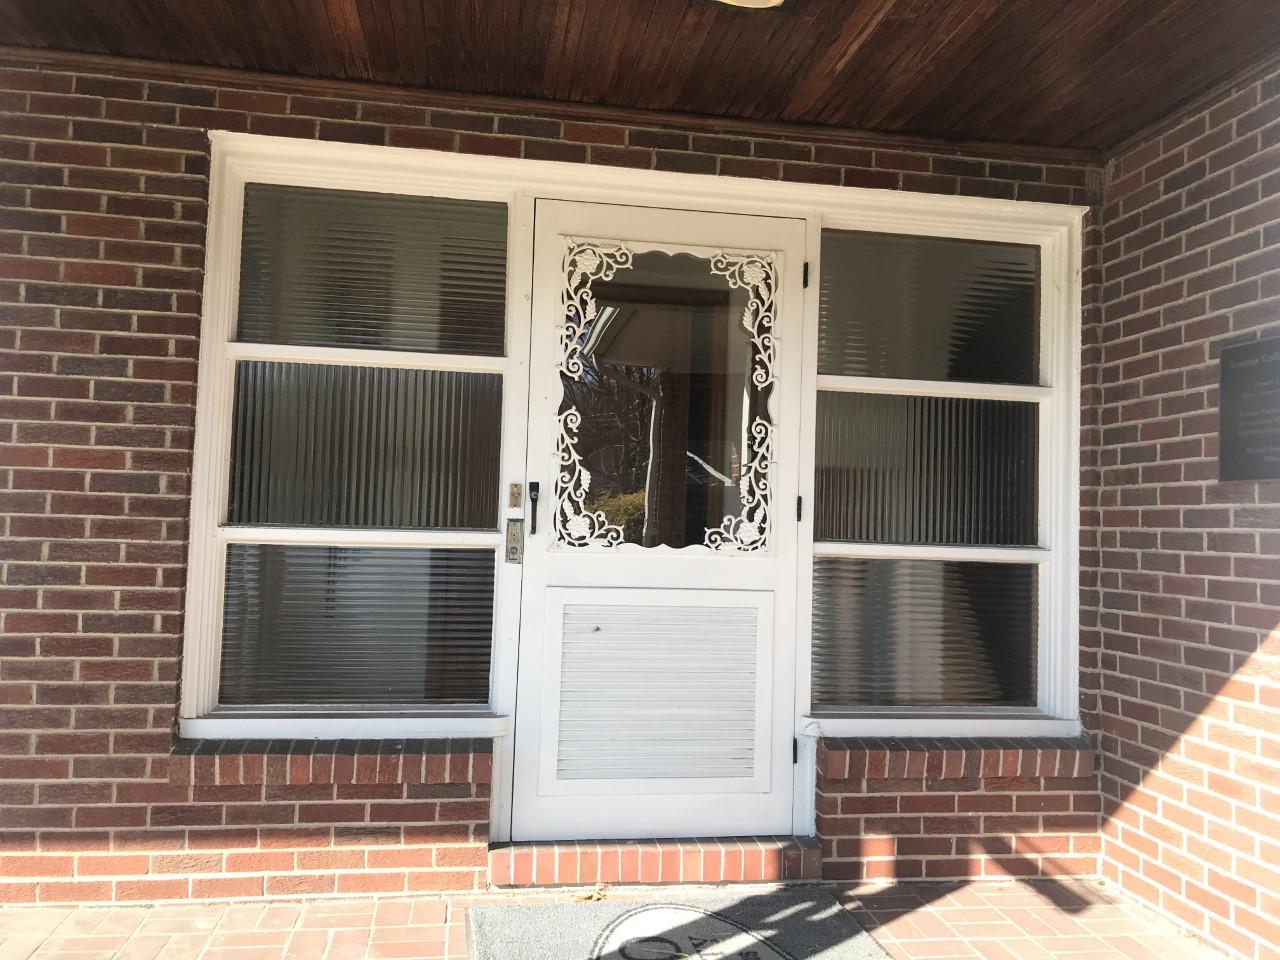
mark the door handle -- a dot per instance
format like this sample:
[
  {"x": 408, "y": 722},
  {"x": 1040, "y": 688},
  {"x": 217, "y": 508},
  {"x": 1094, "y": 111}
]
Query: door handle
[{"x": 533, "y": 508}]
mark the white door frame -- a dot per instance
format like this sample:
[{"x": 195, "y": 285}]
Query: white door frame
[
  {"x": 1057, "y": 229},
  {"x": 616, "y": 571}
]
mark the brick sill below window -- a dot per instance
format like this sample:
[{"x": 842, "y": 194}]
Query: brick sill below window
[{"x": 953, "y": 758}]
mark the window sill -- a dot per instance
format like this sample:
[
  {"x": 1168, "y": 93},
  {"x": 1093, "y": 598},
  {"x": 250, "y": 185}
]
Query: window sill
[
  {"x": 356, "y": 725},
  {"x": 1026, "y": 723}
]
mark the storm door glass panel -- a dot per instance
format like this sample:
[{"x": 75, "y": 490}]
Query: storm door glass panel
[
  {"x": 356, "y": 625},
  {"x": 345, "y": 268},
  {"x": 928, "y": 308},
  {"x": 911, "y": 469},
  {"x": 923, "y": 633},
  {"x": 666, "y": 374},
  {"x": 315, "y": 445}
]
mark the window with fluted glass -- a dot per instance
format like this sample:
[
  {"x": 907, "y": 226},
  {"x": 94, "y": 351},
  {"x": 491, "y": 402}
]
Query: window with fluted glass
[
  {"x": 356, "y": 625},
  {"x": 323, "y": 445},
  {"x": 928, "y": 308},
  {"x": 373, "y": 271},
  {"x": 926, "y": 526},
  {"x": 360, "y": 523}
]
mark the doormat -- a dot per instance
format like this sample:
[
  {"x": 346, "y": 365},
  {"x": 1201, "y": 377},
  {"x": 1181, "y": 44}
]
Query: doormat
[{"x": 755, "y": 926}]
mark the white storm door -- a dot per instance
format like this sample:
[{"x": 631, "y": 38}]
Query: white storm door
[{"x": 655, "y": 690}]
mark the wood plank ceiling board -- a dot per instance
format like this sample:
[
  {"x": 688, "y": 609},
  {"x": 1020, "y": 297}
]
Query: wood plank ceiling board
[{"x": 1083, "y": 74}]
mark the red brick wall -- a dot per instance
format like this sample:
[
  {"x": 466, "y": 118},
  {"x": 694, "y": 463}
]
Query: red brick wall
[
  {"x": 102, "y": 211},
  {"x": 957, "y": 809},
  {"x": 1186, "y": 571},
  {"x": 239, "y": 819}
]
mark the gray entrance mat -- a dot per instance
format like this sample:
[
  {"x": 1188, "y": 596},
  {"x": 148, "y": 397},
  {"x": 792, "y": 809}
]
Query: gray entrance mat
[{"x": 750, "y": 926}]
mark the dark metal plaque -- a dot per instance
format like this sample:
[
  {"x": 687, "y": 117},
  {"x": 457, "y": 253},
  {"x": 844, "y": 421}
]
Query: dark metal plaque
[{"x": 1249, "y": 412}]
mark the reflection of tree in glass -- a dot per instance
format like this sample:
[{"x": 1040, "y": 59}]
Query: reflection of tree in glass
[
  {"x": 616, "y": 403},
  {"x": 660, "y": 382}
]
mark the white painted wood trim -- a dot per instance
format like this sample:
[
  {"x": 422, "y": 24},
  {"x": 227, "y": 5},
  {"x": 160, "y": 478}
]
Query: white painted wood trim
[
  {"x": 933, "y": 388},
  {"x": 210, "y": 457},
  {"x": 304, "y": 727},
  {"x": 804, "y": 804},
  {"x": 515, "y": 438},
  {"x": 912, "y": 551},
  {"x": 430, "y": 172},
  {"x": 1059, "y": 456},
  {"x": 399, "y": 359},
  {"x": 993, "y": 725},
  {"x": 328, "y": 536}
]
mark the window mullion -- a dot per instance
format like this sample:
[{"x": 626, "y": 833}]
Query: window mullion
[
  {"x": 360, "y": 537},
  {"x": 916, "y": 551},
  {"x": 828, "y": 383},
  {"x": 343, "y": 356}
]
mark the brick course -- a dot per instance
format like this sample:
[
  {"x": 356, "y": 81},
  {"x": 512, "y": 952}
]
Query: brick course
[
  {"x": 915, "y": 809},
  {"x": 1183, "y": 572},
  {"x": 698, "y": 860},
  {"x": 239, "y": 819},
  {"x": 101, "y": 249},
  {"x": 101, "y": 234},
  {"x": 103, "y": 178}
]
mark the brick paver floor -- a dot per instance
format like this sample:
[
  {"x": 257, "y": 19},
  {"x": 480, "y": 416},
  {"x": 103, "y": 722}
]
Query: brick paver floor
[
  {"x": 1035, "y": 920},
  {"x": 1075, "y": 920}
]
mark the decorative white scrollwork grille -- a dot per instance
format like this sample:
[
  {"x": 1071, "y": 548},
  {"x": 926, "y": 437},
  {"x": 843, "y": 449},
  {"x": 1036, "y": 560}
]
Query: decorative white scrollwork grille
[
  {"x": 756, "y": 275},
  {"x": 587, "y": 261},
  {"x": 748, "y": 532},
  {"x": 575, "y": 524},
  {"x": 584, "y": 263}
]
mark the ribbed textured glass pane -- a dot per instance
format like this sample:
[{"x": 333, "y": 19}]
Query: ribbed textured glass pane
[
  {"x": 927, "y": 308},
  {"x": 315, "y": 445},
  {"x": 895, "y": 469},
  {"x": 923, "y": 633},
  {"x": 344, "y": 268},
  {"x": 305, "y": 625}
]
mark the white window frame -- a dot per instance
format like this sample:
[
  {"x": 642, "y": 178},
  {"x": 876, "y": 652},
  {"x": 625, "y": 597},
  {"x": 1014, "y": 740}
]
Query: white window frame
[
  {"x": 241, "y": 158},
  {"x": 1056, "y": 554},
  {"x": 199, "y": 713}
]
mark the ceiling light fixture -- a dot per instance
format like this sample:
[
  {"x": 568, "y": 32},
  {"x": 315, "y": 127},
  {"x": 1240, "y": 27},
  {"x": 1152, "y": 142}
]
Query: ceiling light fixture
[{"x": 752, "y": 4}]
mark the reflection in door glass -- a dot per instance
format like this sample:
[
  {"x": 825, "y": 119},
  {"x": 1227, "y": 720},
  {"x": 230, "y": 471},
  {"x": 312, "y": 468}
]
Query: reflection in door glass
[{"x": 664, "y": 409}]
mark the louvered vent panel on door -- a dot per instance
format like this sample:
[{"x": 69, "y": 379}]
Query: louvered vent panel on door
[{"x": 657, "y": 692}]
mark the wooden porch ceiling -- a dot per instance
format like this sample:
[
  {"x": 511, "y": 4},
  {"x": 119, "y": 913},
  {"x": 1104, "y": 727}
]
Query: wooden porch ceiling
[{"x": 1083, "y": 74}]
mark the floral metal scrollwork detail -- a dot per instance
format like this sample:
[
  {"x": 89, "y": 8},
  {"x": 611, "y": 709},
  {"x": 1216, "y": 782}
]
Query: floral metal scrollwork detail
[
  {"x": 587, "y": 261},
  {"x": 575, "y": 524},
  {"x": 584, "y": 263},
  {"x": 756, "y": 275},
  {"x": 748, "y": 532}
]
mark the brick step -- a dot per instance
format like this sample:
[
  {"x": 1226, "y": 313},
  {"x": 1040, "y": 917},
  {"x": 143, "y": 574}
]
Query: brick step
[{"x": 772, "y": 859}]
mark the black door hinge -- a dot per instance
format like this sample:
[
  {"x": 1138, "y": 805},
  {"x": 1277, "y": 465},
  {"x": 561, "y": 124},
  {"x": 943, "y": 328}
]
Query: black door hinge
[
  {"x": 795, "y": 749},
  {"x": 806, "y": 273},
  {"x": 799, "y": 509}
]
